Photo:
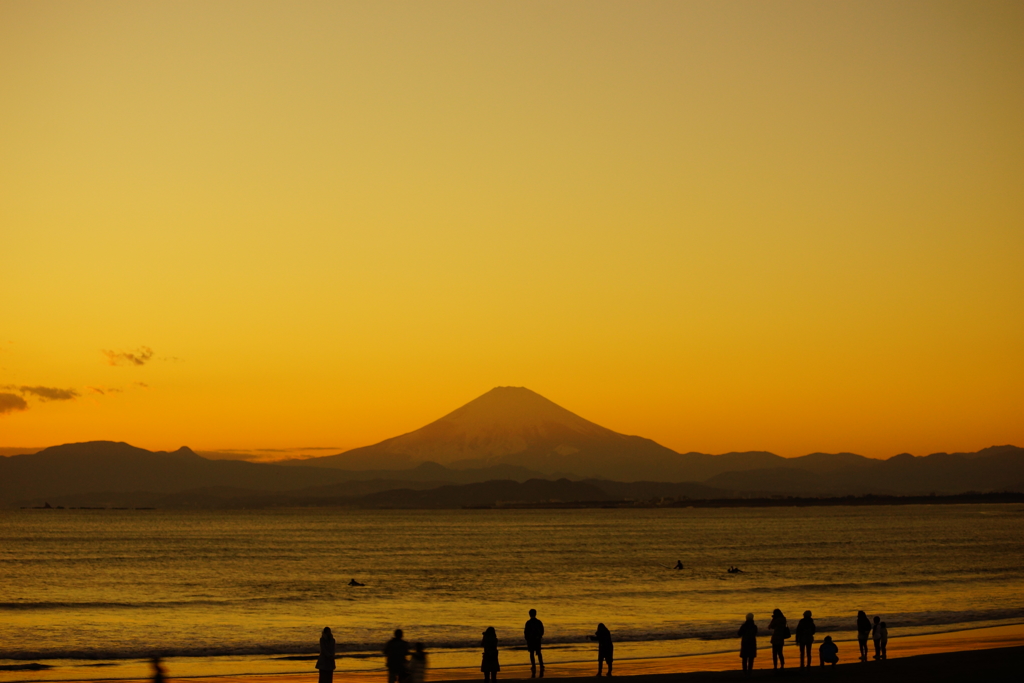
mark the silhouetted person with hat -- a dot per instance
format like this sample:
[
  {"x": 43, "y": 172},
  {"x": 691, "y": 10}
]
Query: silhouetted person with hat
[
  {"x": 489, "y": 664},
  {"x": 395, "y": 653},
  {"x": 748, "y": 643},
  {"x": 325, "y": 662},
  {"x": 533, "y": 633},
  {"x": 805, "y": 630}
]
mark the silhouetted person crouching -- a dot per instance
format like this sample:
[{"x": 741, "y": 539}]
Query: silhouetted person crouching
[
  {"x": 533, "y": 633},
  {"x": 395, "y": 653},
  {"x": 780, "y": 631},
  {"x": 325, "y": 662},
  {"x": 489, "y": 665},
  {"x": 605, "y": 649},
  {"x": 828, "y": 653},
  {"x": 805, "y": 630},
  {"x": 748, "y": 643}
]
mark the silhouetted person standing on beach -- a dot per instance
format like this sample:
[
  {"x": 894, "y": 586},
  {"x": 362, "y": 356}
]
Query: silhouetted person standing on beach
[
  {"x": 884, "y": 640},
  {"x": 325, "y": 662},
  {"x": 779, "y": 634},
  {"x": 418, "y": 665},
  {"x": 489, "y": 665},
  {"x": 828, "y": 653},
  {"x": 395, "y": 653},
  {"x": 863, "y": 631},
  {"x": 158, "y": 670},
  {"x": 876, "y": 636},
  {"x": 748, "y": 643},
  {"x": 533, "y": 632},
  {"x": 605, "y": 649},
  {"x": 805, "y": 630}
]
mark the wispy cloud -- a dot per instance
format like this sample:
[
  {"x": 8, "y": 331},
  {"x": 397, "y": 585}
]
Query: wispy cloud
[
  {"x": 50, "y": 393},
  {"x": 102, "y": 391},
  {"x": 140, "y": 356},
  {"x": 11, "y": 402}
]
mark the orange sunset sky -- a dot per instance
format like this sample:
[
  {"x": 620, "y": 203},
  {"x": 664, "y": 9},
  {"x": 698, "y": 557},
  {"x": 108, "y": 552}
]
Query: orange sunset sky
[{"x": 790, "y": 226}]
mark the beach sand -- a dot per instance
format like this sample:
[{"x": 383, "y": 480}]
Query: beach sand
[{"x": 986, "y": 654}]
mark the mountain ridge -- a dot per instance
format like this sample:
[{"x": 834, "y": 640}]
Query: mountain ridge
[
  {"x": 507, "y": 434},
  {"x": 117, "y": 474},
  {"x": 514, "y": 425}
]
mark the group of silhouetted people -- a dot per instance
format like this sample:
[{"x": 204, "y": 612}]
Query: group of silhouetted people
[
  {"x": 401, "y": 667},
  {"x": 876, "y": 631},
  {"x": 828, "y": 652},
  {"x": 533, "y": 634},
  {"x": 405, "y": 669}
]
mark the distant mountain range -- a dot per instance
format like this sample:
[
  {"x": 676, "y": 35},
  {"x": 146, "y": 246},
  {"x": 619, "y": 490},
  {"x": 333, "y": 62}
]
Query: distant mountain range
[
  {"x": 515, "y": 426},
  {"x": 509, "y": 445}
]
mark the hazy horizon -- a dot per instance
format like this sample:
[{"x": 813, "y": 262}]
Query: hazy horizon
[{"x": 272, "y": 455}]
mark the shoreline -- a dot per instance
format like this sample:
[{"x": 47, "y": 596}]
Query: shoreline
[{"x": 963, "y": 646}]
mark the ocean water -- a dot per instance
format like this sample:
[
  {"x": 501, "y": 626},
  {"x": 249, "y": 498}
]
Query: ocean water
[{"x": 92, "y": 593}]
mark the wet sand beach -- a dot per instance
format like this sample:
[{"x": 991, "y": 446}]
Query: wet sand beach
[
  {"x": 933, "y": 654},
  {"x": 984, "y": 653}
]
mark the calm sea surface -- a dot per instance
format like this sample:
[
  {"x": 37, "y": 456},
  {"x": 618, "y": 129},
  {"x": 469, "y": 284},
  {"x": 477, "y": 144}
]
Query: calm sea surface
[{"x": 91, "y": 592}]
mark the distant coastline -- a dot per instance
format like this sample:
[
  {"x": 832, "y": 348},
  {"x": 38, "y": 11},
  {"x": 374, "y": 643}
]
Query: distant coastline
[
  {"x": 1004, "y": 498},
  {"x": 776, "y": 501}
]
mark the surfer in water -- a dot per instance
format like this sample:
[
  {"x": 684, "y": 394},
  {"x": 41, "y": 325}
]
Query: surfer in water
[
  {"x": 734, "y": 570},
  {"x": 679, "y": 564},
  {"x": 353, "y": 582}
]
